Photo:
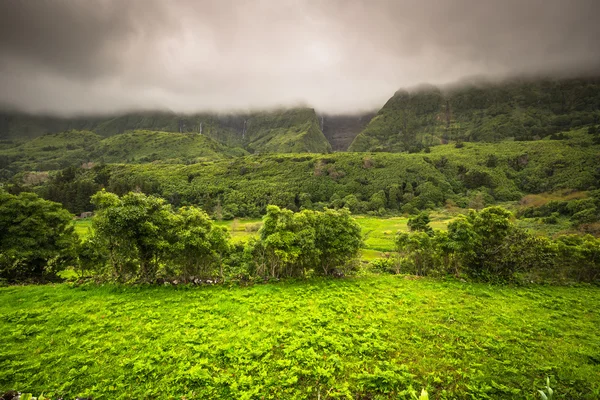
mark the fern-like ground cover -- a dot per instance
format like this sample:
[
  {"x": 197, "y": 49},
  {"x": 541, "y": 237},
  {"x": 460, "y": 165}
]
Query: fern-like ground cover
[{"x": 375, "y": 337}]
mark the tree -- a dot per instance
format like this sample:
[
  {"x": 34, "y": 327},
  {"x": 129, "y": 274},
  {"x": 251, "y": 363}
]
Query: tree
[
  {"x": 288, "y": 239},
  {"x": 485, "y": 241},
  {"x": 415, "y": 249},
  {"x": 338, "y": 239},
  {"x": 37, "y": 237},
  {"x": 293, "y": 243},
  {"x": 377, "y": 201},
  {"x": 394, "y": 197},
  {"x": 199, "y": 245},
  {"x": 137, "y": 231},
  {"x": 351, "y": 203},
  {"x": 420, "y": 223}
]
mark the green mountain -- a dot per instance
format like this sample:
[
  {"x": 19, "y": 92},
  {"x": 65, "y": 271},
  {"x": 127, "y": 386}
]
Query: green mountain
[
  {"x": 59, "y": 150},
  {"x": 481, "y": 112},
  {"x": 288, "y": 131},
  {"x": 295, "y": 130}
]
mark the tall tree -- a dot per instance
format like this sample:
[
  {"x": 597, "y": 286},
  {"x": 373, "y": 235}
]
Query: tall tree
[{"x": 37, "y": 237}]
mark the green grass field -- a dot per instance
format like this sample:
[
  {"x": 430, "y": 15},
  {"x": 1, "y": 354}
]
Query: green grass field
[
  {"x": 83, "y": 227},
  {"x": 367, "y": 338}
]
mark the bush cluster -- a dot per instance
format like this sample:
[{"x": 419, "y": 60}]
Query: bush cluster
[
  {"x": 142, "y": 238},
  {"x": 487, "y": 246}
]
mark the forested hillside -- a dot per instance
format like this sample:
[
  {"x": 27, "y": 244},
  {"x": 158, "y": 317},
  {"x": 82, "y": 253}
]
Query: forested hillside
[
  {"x": 294, "y": 130},
  {"x": 471, "y": 175},
  {"x": 287, "y": 131},
  {"x": 488, "y": 112},
  {"x": 486, "y": 161},
  {"x": 75, "y": 148}
]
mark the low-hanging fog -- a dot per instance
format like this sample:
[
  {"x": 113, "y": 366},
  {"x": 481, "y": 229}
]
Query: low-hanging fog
[{"x": 102, "y": 56}]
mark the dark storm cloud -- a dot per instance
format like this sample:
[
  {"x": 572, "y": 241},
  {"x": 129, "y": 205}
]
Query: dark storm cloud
[{"x": 98, "y": 56}]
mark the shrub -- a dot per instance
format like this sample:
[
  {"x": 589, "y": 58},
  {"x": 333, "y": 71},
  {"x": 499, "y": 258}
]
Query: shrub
[
  {"x": 291, "y": 244},
  {"x": 37, "y": 238}
]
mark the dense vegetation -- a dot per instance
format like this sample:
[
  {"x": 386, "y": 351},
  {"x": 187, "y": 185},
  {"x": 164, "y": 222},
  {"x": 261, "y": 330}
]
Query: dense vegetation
[
  {"x": 475, "y": 175},
  {"x": 37, "y": 239},
  {"x": 378, "y": 338},
  {"x": 295, "y": 130},
  {"x": 139, "y": 238},
  {"x": 83, "y": 148},
  {"x": 487, "y": 246},
  {"x": 523, "y": 110}
]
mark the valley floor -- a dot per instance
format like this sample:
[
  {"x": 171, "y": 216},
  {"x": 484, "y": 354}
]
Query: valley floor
[{"x": 369, "y": 337}]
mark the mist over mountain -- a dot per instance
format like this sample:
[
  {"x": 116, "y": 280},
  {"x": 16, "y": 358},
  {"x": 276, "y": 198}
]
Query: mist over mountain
[{"x": 112, "y": 57}]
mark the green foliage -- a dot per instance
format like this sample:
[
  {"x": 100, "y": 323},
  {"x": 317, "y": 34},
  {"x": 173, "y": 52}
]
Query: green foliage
[
  {"x": 286, "y": 131},
  {"x": 242, "y": 187},
  {"x": 487, "y": 246},
  {"x": 373, "y": 337},
  {"x": 548, "y": 393},
  {"x": 415, "y": 252},
  {"x": 291, "y": 244},
  {"x": 37, "y": 238},
  {"x": 144, "y": 239},
  {"x": 140, "y": 238},
  {"x": 137, "y": 232},
  {"x": 198, "y": 135},
  {"x": 77, "y": 148},
  {"x": 200, "y": 246},
  {"x": 420, "y": 223},
  {"x": 523, "y": 110},
  {"x": 579, "y": 210}
]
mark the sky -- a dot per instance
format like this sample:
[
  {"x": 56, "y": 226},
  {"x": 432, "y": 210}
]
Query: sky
[{"x": 70, "y": 57}]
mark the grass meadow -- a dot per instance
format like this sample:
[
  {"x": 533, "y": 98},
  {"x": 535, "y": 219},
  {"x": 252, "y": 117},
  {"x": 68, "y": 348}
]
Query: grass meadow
[{"x": 368, "y": 338}]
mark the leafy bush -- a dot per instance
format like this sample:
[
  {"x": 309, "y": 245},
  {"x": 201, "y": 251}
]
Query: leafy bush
[
  {"x": 291, "y": 244},
  {"x": 487, "y": 246},
  {"x": 420, "y": 223},
  {"x": 144, "y": 239},
  {"x": 37, "y": 238}
]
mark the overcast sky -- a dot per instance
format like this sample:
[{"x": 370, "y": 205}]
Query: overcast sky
[{"x": 99, "y": 56}]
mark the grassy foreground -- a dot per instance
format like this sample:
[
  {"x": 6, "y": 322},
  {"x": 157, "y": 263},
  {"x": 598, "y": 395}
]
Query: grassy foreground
[{"x": 373, "y": 337}]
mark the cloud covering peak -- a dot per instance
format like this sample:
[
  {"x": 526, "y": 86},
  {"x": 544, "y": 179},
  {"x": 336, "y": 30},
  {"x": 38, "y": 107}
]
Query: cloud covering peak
[{"x": 104, "y": 56}]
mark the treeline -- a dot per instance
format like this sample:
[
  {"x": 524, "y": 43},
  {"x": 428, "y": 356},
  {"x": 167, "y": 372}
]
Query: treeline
[
  {"x": 487, "y": 246},
  {"x": 139, "y": 238}
]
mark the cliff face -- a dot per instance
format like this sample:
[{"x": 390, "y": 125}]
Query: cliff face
[
  {"x": 482, "y": 112},
  {"x": 293, "y": 130},
  {"x": 340, "y": 130}
]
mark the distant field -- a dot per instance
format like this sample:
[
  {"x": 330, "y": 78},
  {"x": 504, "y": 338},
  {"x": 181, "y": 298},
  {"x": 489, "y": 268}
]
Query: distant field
[
  {"x": 83, "y": 227},
  {"x": 367, "y": 338}
]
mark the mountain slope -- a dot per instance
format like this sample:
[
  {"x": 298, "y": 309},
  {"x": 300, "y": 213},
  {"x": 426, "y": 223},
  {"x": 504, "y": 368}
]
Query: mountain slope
[
  {"x": 474, "y": 175},
  {"x": 289, "y": 131},
  {"x": 148, "y": 146},
  {"x": 60, "y": 150},
  {"x": 294, "y": 130},
  {"x": 523, "y": 110}
]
